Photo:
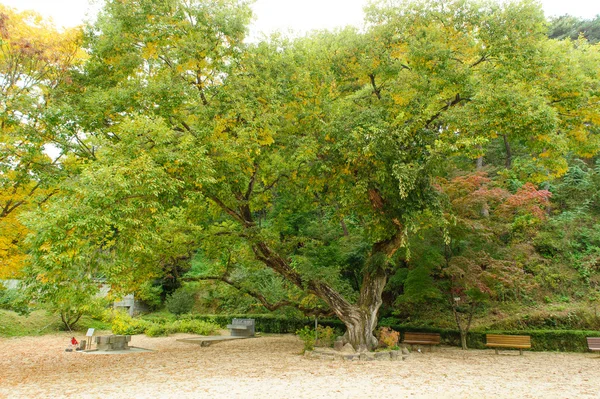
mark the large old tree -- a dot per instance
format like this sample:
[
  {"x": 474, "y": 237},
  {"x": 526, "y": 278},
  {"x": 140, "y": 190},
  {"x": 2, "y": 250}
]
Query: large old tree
[{"x": 311, "y": 157}]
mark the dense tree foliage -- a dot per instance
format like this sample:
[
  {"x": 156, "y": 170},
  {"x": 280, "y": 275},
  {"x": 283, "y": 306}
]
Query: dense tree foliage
[
  {"x": 416, "y": 155},
  {"x": 35, "y": 61}
]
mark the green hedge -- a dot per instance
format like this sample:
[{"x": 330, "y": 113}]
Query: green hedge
[
  {"x": 199, "y": 327},
  {"x": 265, "y": 323},
  {"x": 156, "y": 325},
  {"x": 541, "y": 340},
  {"x": 272, "y": 324}
]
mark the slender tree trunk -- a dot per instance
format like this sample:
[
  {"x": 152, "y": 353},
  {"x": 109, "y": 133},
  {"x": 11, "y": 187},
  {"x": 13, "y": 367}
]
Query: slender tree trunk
[
  {"x": 463, "y": 339},
  {"x": 508, "y": 162},
  {"x": 344, "y": 227},
  {"x": 463, "y": 335},
  {"x": 463, "y": 326},
  {"x": 69, "y": 318},
  {"x": 485, "y": 210}
]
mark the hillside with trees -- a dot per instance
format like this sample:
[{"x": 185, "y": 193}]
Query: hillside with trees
[{"x": 569, "y": 27}]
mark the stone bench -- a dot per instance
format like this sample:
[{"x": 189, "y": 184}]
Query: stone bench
[
  {"x": 241, "y": 328},
  {"x": 113, "y": 342}
]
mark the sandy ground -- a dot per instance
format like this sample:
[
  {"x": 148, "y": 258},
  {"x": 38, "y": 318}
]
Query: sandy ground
[{"x": 271, "y": 367}]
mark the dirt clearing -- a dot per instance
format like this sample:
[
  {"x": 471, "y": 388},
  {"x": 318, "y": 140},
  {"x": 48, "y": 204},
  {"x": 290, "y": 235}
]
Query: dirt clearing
[{"x": 271, "y": 367}]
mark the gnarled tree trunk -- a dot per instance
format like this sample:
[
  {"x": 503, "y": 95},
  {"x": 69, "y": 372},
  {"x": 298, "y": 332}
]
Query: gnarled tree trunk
[
  {"x": 361, "y": 319},
  {"x": 360, "y": 325}
]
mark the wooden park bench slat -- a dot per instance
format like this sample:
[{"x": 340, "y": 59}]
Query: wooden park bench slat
[
  {"x": 519, "y": 342},
  {"x": 593, "y": 343},
  {"x": 417, "y": 338}
]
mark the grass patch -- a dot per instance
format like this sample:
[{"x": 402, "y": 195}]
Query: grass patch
[
  {"x": 87, "y": 322},
  {"x": 40, "y": 322},
  {"x": 157, "y": 325}
]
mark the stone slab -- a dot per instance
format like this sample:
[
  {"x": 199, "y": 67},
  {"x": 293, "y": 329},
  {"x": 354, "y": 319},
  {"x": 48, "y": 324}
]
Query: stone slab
[
  {"x": 131, "y": 349},
  {"x": 209, "y": 340},
  {"x": 382, "y": 355},
  {"x": 332, "y": 354},
  {"x": 112, "y": 342}
]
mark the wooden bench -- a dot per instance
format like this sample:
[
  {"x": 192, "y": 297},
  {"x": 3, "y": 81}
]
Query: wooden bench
[
  {"x": 519, "y": 342},
  {"x": 418, "y": 338},
  {"x": 593, "y": 343}
]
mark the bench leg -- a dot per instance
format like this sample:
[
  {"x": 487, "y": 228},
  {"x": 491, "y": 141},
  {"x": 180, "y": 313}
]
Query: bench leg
[
  {"x": 521, "y": 352},
  {"x": 496, "y": 350}
]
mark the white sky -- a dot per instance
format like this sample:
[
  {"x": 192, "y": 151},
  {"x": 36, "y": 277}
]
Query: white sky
[{"x": 297, "y": 15}]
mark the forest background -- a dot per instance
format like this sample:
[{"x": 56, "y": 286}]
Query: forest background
[{"x": 437, "y": 168}]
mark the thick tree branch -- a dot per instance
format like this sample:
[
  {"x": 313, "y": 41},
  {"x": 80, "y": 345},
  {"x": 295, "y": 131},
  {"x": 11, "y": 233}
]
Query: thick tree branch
[
  {"x": 391, "y": 245},
  {"x": 251, "y": 183},
  {"x": 456, "y": 100},
  {"x": 186, "y": 126},
  {"x": 479, "y": 61},
  {"x": 275, "y": 262},
  {"x": 260, "y": 297},
  {"x": 272, "y": 184},
  {"x": 200, "y": 86},
  {"x": 230, "y": 211},
  {"x": 6, "y": 209},
  {"x": 376, "y": 200},
  {"x": 376, "y": 90}
]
